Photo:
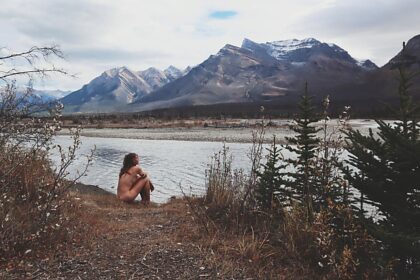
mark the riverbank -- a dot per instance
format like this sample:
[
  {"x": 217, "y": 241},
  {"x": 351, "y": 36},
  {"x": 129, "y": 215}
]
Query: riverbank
[
  {"x": 129, "y": 241},
  {"x": 227, "y": 133}
]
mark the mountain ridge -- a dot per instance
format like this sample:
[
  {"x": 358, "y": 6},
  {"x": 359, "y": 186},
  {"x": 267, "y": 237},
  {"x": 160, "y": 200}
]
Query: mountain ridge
[
  {"x": 254, "y": 72},
  {"x": 117, "y": 87}
]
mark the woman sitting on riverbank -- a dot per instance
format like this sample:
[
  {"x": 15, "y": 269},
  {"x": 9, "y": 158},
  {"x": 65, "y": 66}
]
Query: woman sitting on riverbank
[{"x": 133, "y": 181}]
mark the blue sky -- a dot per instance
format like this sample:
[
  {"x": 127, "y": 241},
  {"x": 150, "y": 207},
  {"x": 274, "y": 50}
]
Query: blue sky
[
  {"x": 222, "y": 14},
  {"x": 97, "y": 35}
]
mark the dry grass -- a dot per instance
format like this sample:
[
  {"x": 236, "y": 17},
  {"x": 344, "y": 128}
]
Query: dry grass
[
  {"x": 36, "y": 212},
  {"x": 248, "y": 254},
  {"x": 281, "y": 244},
  {"x": 239, "y": 241},
  {"x": 293, "y": 249}
]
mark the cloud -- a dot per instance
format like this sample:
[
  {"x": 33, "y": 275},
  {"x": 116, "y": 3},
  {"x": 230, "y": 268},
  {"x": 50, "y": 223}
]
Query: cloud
[
  {"x": 97, "y": 35},
  {"x": 113, "y": 55},
  {"x": 67, "y": 22},
  {"x": 344, "y": 17},
  {"x": 367, "y": 29},
  {"x": 223, "y": 14}
]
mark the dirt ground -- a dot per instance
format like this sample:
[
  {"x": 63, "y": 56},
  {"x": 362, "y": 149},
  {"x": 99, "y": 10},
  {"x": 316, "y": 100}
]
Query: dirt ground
[
  {"x": 126, "y": 241},
  {"x": 111, "y": 239}
]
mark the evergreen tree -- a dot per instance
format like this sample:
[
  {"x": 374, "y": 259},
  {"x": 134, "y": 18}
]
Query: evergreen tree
[
  {"x": 270, "y": 189},
  {"x": 387, "y": 174},
  {"x": 305, "y": 145}
]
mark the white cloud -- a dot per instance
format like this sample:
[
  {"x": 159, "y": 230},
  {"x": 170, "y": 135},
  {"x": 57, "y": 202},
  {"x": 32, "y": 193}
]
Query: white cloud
[{"x": 98, "y": 34}]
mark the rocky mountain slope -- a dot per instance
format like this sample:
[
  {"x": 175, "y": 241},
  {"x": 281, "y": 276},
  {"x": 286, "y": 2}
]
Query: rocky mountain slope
[
  {"x": 255, "y": 72},
  {"x": 116, "y": 88},
  {"x": 41, "y": 96},
  {"x": 381, "y": 85}
]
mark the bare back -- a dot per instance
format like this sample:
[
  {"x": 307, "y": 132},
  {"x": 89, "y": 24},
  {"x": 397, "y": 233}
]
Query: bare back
[{"x": 127, "y": 181}]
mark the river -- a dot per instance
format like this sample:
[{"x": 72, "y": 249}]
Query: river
[{"x": 171, "y": 164}]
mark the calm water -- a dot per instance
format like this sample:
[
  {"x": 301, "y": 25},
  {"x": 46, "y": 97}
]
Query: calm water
[{"x": 171, "y": 164}]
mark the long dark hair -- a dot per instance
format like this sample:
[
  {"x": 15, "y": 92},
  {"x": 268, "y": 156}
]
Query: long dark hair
[{"x": 127, "y": 163}]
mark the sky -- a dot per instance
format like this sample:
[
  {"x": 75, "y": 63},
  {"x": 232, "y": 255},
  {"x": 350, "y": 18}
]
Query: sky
[{"x": 97, "y": 35}]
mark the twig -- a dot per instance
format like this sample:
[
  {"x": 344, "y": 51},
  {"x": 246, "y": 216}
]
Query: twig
[
  {"x": 36, "y": 274},
  {"x": 193, "y": 209},
  {"x": 146, "y": 265},
  {"x": 43, "y": 269}
]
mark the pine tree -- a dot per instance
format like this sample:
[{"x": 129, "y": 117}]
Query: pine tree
[
  {"x": 388, "y": 177},
  {"x": 305, "y": 145},
  {"x": 270, "y": 190}
]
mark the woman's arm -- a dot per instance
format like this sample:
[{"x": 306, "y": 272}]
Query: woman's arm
[{"x": 142, "y": 173}]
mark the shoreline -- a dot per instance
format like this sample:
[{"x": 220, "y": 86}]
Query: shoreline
[
  {"x": 82, "y": 189},
  {"x": 86, "y": 189},
  {"x": 231, "y": 135},
  {"x": 111, "y": 239},
  {"x": 207, "y": 134}
]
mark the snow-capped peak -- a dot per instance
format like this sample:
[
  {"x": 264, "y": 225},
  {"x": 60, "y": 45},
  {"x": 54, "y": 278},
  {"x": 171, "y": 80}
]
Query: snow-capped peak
[
  {"x": 366, "y": 64},
  {"x": 172, "y": 68},
  {"x": 172, "y": 71},
  {"x": 295, "y": 43},
  {"x": 280, "y": 49},
  {"x": 228, "y": 48},
  {"x": 118, "y": 71},
  {"x": 152, "y": 72},
  {"x": 186, "y": 70},
  {"x": 298, "y": 51}
]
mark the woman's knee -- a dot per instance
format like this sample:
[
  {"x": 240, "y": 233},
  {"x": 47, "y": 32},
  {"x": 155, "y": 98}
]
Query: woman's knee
[
  {"x": 140, "y": 183},
  {"x": 147, "y": 182}
]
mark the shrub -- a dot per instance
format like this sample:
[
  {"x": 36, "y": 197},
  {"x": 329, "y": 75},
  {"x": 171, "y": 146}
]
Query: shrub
[
  {"x": 344, "y": 249},
  {"x": 33, "y": 200},
  {"x": 224, "y": 189},
  {"x": 329, "y": 183}
]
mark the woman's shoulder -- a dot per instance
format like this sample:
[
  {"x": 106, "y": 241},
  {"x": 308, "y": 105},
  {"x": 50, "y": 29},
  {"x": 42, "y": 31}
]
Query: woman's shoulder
[{"x": 134, "y": 169}]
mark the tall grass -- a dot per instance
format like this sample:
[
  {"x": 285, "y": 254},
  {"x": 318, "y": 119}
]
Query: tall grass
[{"x": 224, "y": 189}]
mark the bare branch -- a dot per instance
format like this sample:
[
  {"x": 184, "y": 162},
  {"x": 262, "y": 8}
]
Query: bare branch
[
  {"x": 41, "y": 72},
  {"x": 28, "y": 180},
  {"x": 36, "y": 52},
  {"x": 31, "y": 58}
]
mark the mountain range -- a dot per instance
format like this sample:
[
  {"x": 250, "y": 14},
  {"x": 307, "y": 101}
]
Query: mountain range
[
  {"x": 254, "y": 72},
  {"x": 42, "y": 96},
  {"x": 117, "y": 87}
]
